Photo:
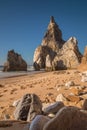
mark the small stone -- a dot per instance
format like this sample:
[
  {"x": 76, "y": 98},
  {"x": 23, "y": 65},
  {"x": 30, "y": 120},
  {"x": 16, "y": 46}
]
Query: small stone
[
  {"x": 51, "y": 115},
  {"x": 73, "y": 98},
  {"x": 70, "y": 83},
  {"x": 60, "y": 97},
  {"x": 84, "y": 79},
  {"x": 15, "y": 103}
]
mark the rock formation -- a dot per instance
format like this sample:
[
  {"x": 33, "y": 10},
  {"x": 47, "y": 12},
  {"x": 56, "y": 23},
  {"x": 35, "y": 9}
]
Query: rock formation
[
  {"x": 84, "y": 58},
  {"x": 54, "y": 53},
  {"x": 28, "y": 107},
  {"x": 83, "y": 65},
  {"x": 68, "y": 57},
  {"x": 53, "y": 37},
  {"x": 39, "y": 122},
  {"x": 14, "y": 62}
]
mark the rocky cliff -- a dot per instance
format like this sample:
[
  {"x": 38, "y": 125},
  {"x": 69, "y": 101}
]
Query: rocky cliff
[
  {"x": 14, "y": 62},
  {"x": 54, "y": 50}
]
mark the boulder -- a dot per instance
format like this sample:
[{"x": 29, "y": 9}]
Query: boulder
[
  {"x": 54, "y": 108},
  {"x": 56, "y": 54},
  {"x": 35, "y": 107},
  {"x": 22, "y": 108},
  {"x": 15, "y": 62},
  {"x": 39, "y": 122},
  {"x": 28, "y": 107},
  {"x": 68, "y": 118}
]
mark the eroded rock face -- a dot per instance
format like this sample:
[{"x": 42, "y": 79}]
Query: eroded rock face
[
  {"x": 62, "y": 55},
  {"x": 48, "y": 63},
  {"x": 84, "y": 58},
  {"x": 40, "y": 56},
  {"x": 83, "y": 65},
  {"x": 15, "y": 62},
  {"x": 68, "y": 57}
]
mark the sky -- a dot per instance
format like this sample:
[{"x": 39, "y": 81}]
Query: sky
[{"x": 23, "y": 24}]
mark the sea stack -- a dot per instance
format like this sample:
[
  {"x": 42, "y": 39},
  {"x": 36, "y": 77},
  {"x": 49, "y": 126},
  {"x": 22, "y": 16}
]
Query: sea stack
[
  {"x": 63, "y": 54},
  {"x": 14, "y": 62}
]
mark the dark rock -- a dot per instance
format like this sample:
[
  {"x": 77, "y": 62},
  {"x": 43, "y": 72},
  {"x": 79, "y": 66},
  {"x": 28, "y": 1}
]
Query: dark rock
[
  {"x": 15, "y": 62},
  {"x": 28, "y": 107},
  {"x": 36, "y": 66},
  {"x": 68, "y": 118},
  {"x": 23, "y": 107}
]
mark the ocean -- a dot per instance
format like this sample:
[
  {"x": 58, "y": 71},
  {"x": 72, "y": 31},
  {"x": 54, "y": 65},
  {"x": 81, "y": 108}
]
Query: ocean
[{"x": 30, "y": 70}]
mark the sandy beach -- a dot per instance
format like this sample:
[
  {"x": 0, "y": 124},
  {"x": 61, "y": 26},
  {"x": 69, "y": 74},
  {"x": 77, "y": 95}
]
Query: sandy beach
[{"x": 47, "y": 85}]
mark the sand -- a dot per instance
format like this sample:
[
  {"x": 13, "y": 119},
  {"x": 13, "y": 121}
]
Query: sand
[{"x": 44, "y": 84}]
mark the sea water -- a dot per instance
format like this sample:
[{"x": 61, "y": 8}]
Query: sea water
[{"x": 30, "y": 70}]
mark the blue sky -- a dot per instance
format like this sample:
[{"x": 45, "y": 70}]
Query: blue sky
[{"x": 24, "y": 22}]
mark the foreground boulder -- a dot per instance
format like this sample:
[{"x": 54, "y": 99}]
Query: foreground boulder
[
  {"x": 28, "y": 107},
  {"x": 39, "y": 122},
  {"x": 15, "y": 62},
  {"x": 68, "y": 118},
  {"x": 54, "y": 108},
  {"x": 54, "y": 53}
]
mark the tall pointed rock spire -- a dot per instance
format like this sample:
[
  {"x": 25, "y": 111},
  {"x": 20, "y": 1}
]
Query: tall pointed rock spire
[
  {"x": 54, "y": 53},
  {"x": 53, "y": 36},
  {"x": 52, "y": 19}
]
